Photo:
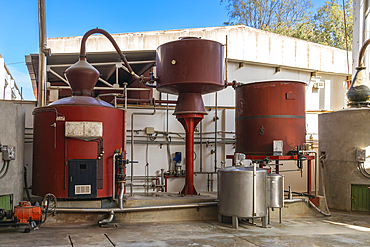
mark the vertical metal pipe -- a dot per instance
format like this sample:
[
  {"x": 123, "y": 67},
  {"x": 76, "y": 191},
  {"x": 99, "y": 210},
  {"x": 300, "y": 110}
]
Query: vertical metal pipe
[
  {"x": 226, "y": 59},
  {"x": 41, "y": 97},
  {"x": 280, "y": 215},
  {"x": 315, "y": 173},
  {"x": 121, "y": 193},
  {"x": 358, "y": 27},
  {"x": 201, "y": 147},
  {"x": 132, "y": 141},
  {"x": 169, "y": 160},
  {"x": 125, "y": 120},
  {"x": 117, "y": 78},
  {"x": 162, "y": 177},
  {"x": 211, "y": 181},
  {"x": 114, "y": 176},
  {"x": 309, "y": 185},
  {"x": 254, "y": 190},
  {"x": 216, "y": 109}
]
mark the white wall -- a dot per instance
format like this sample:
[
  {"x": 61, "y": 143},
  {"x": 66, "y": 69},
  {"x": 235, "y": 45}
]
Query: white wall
[{"x": 8, "y": 90}]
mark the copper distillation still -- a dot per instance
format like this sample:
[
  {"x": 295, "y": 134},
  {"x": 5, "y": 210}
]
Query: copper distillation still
[
  {"x": 188, "y": 67},
  {"x": 359, "y": 92}
]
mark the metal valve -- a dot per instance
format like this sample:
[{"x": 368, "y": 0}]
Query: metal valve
[{"x": 8, "y": 152}]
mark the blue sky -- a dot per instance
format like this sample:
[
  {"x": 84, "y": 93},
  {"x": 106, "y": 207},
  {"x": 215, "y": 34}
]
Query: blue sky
[{"x": 19, "y": 23}]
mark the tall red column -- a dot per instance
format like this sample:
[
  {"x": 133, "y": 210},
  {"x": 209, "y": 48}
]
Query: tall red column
[{"x": 189, "y": 122}]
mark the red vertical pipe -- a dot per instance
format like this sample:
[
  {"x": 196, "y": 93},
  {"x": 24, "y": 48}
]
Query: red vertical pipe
[
  {"x": 189, "y": 175},
  {"x": 189, "y": 122}
]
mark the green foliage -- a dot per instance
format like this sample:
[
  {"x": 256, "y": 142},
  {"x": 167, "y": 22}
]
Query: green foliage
[
  {"x": 329, "y": 26},
  {"x": 294, "y": 18}
]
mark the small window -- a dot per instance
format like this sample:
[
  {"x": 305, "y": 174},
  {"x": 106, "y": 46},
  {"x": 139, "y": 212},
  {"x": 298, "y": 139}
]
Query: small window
[{"x": 82, "y": 166}]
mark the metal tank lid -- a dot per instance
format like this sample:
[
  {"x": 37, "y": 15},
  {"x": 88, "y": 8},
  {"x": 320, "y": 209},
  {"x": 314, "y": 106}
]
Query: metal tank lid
[
  {"x": 241, "y": 169},
  {"x": 187, "y": 39},
  {"x": 81, "y": 100}
]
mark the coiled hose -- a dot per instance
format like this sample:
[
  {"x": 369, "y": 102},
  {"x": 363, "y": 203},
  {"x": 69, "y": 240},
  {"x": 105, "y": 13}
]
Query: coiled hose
[{"x": 6, "y": 167}]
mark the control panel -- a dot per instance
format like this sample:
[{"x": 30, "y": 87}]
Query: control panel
[{"x": 360, "y": 155}]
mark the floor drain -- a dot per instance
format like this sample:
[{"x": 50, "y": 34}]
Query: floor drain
[{"x": 109, "y": 239}]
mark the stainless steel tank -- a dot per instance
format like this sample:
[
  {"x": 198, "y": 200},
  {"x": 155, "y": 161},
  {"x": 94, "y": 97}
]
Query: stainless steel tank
[
  {"x": 235, "y": 192},
  {"x": 275, "y": 190}
]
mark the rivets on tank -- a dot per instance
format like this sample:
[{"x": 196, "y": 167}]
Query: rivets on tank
[{"x": 173, "y": 62}]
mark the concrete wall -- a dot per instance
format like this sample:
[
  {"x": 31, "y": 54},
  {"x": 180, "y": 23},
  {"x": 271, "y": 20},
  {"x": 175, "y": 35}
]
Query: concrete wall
[
  {"x": 244, "y": 43},
  {"x": 12, "y": 120},
  {"x": 341, "y": 133}
]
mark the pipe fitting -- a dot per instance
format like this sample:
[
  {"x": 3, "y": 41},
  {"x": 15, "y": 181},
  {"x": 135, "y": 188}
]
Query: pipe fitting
[{"x": 107, "y": 221}]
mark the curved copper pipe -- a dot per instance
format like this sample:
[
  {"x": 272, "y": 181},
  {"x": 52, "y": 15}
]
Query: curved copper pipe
[
  {"x": 110, "y": 38},
  {"x": 362, "y": 53}
]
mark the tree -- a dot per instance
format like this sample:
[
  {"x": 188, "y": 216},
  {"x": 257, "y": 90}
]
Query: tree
[
  {"x": 329, "y": 28},
  {"x": 272, "y": 15},
  {"x": 294, "y": 18}
]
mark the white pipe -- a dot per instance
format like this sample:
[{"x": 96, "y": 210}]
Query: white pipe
[
  {"x": 254, "y": 190},
  {"x": 295, "y": 200},
  {"x": 135, "y": 209},
  {"x": 121, "y": 195}
]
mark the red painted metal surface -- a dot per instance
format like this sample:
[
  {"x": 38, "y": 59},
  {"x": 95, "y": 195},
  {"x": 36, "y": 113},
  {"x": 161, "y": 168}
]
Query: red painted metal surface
[
  {"x": 189, "y": 122},
  {"x": 190, "y": 65},
  {"x": 190, "y": 103},
  {"x": 49, "y": 168},
  {"x": 268, "y": 111}
]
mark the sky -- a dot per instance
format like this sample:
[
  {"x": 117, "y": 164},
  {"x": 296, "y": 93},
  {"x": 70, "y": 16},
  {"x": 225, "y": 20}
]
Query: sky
[{"x": 19, "y": 23}]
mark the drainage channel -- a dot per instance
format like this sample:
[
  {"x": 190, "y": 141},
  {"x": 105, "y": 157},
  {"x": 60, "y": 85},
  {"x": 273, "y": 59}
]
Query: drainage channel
[
  {"x": 70, "y": 240},
  {"x": 106, "y": 235},
  {"x": 109, "y": 239}
]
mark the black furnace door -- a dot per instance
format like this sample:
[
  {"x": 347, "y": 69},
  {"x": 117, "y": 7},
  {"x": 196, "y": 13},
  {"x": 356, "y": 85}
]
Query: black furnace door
[{"x": 82, "y": 178}]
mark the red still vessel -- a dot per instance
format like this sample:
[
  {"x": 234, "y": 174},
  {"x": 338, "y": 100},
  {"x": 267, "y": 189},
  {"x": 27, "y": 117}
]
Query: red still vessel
[
  {"x": 62, "y": 165},
  {"x": 268, "y": 111},
  {"x": 190, "y": 67},
  {"x": 75, "y": 138}
]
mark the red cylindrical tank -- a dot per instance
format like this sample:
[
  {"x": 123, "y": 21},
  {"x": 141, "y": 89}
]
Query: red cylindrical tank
[
  {"x": 190, "y": 65},
  {"x": 268, "y": 111},
  {"x": 69, "y": 167}
]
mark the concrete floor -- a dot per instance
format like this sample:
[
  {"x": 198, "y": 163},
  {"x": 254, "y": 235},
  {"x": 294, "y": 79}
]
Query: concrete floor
[{"x": 342, "y": 229}]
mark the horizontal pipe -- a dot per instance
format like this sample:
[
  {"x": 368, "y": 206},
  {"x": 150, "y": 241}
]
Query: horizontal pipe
[
  {"x": 135, "y": 209},
  {"x": 177, "y": 143},
  {"x": 295, "y": 200},
  {"x": 148, "y": 101}
]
